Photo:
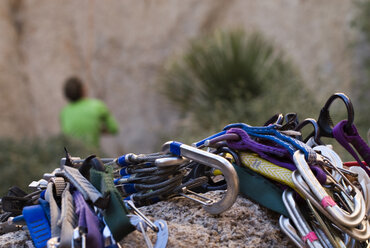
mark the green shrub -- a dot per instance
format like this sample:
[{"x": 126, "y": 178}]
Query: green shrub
[
  {"x": 233, "y": 77},
  {"x": 27, "y": 160}
]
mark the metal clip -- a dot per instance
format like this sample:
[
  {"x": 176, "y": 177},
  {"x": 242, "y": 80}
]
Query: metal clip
[
  {"x": 290, "y": 231},
  {"x": 214, "y": 161},
  {"x": 79, "y": 237},
  {"x": 131, "y": 206},
  {"x": 361, "y": 233},
  {"x": 137, "y": 221},
  {"x": 324, "y": 121},
  {"x": 198, "y": 198},
  {"x": 351, "y": 220},
  {"x": 296, "y": 216},
  {"x": 40, "y": 184},
  {"x": 162, "y": 234},
  {"x": 364, "y": 182},
  {"x": 325, "y": 232},
  {"x": 162, "y": 231},
  {"x": 173, "y": 161}
]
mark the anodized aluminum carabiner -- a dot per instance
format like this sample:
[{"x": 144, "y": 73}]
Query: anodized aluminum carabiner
[
  {"x": 214, "y": 161},
  {"x": 351, "y": 220},
  {"x": 315, "y": 134},
  {"x": 324, "y": 121},
  {"x": 361, "y": 234}
]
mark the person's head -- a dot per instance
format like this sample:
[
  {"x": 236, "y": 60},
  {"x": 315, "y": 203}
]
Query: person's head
[{"x": 74, "y": 89}]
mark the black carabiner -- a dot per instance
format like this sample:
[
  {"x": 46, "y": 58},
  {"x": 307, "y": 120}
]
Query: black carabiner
[
  {"x": 325, "y": 122},
  {"x": 275, "y": 119},
  {"x": 315, "y": 133}
]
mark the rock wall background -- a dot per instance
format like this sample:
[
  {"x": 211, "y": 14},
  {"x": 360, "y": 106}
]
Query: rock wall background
[{"x": 119, "y": 48}]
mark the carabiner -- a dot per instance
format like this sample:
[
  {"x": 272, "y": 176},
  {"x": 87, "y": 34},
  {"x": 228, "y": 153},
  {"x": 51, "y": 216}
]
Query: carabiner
[
  {"x": 361, "y": 234},
  {"x": 333, "y": 157},
  {"x": 315, "y": 133},
  {"x": 364, "y": 182},
  {"x": 325, "y": 122},
  {"x": 290, "y": 231},
  {"x": 299, "y": 221},
  {"x": 351, "y": 220},
  {"x": 275, "y": 119},
  {"x": 161, "y": 230},
  {"x": 213, "y": 161}
]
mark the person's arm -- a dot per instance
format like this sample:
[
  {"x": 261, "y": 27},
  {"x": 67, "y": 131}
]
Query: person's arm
[{"x": 109, "y": 123}]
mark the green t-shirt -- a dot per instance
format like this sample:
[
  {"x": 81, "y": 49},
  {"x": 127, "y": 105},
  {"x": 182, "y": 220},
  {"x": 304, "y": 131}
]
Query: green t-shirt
[{"x": 86, "y": 119}]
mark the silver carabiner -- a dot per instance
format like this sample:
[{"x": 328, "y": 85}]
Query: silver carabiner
[
  {"x": 161, "y": 230},
  {"x": 361, "y": 234},
  {"x": 347, "y": 219},
  {"x": 296, "y": 216},
  {"x": 290, "y": 231},
  {"x": 214, "y": 161},
  {"x": 166, "y": 162}
]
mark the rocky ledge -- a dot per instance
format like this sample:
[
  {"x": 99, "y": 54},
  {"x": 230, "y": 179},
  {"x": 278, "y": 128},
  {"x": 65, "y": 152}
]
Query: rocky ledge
[{"x": 246, "y": 224}]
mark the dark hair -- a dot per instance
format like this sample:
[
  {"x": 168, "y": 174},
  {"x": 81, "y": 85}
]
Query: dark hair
[{"x": 73, "y": 89}]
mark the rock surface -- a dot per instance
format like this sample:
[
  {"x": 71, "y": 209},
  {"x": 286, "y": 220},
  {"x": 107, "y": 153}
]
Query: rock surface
[
  {"x": 15, "y": 239},
  {"x": 245, "y": 224}
]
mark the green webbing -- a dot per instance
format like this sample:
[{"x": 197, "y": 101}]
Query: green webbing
[
  {"x": 261, "y": 190},
  {"x": 115, "y": 215}
]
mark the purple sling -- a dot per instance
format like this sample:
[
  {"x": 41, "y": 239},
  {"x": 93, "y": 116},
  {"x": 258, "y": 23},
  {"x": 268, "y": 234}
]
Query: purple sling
[
  {"x": 265, "y": 152},
  {"x": 87, "y": 219},
  {"x": 352, "y": 137}
]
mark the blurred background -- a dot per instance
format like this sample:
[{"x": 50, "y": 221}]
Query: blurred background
[{"x": 172, "y": 70}]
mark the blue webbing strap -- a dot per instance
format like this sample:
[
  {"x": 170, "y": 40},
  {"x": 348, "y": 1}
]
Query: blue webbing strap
[
  {"x": 175, "y": 148},
  {"x": 37, "y": 224},
  {"x": 200, "y": 143},
  {"x": 271, "y": 133}
]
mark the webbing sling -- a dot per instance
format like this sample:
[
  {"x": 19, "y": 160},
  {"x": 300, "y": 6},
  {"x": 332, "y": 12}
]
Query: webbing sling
[
  {"x": 115, "y": 215},
  {"x": 265, "y": 151},
  {"x": 68, "y": 219},
  {"x": 89, "y": 221},
  {"x": 351, "y": 137},
  {"x": 260, "y": 190},
  {"x": 54, "y": 211},
  {"x": 271, "y": 133},
  {"x": 267, "y": 169}
]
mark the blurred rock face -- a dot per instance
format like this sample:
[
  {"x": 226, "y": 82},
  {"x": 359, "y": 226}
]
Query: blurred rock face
[{"x": 120, "y": 47}]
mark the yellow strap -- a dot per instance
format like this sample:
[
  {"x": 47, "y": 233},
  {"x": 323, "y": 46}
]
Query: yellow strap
[{"x": 267, "y": 169}]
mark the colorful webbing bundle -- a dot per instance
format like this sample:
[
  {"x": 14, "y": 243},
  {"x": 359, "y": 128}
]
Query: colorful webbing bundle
[{"x": 319, "y": 175}]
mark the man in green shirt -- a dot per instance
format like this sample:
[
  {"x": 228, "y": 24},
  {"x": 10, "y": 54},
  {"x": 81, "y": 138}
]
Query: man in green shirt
[{"x": 85, "y": 118}]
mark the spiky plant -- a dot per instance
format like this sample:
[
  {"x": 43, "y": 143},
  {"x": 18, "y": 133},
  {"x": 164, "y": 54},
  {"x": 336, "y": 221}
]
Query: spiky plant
[{"x": 233, "y": 77}]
